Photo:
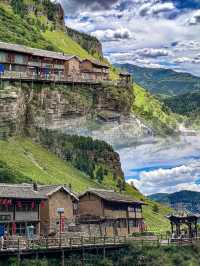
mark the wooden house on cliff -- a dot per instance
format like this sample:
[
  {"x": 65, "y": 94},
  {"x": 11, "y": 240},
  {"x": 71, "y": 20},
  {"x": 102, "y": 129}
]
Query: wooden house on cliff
[
  {"x": 94, "y": 70},
  {"x": 24, "y": 62},
  {"x": 116, "y": 214}
]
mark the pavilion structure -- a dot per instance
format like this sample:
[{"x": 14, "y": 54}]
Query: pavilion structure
[{"x": 184, "y": 225}]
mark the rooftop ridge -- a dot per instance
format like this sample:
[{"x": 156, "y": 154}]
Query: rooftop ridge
[{"x": 102, "y": 190}]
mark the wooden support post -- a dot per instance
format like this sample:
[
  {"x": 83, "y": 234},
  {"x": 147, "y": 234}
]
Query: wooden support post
[
  {"x": 18, "y": 253},
  {"x": 104, "y": 248},
  {"x": 82, "y": 252},
  {"x": 63, "y": 258}
]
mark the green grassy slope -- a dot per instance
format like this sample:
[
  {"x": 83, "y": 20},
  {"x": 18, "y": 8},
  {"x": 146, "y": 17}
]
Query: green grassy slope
[
  {"x": 34, "y": 162},
  {"x": 26, "y": 161},
  {"x": 16, "y": 29},
  {"x": 153, "y": 111},
  {"x": 65, "y": 44}
]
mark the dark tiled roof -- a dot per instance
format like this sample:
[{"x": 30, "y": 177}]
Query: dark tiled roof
[
  {"x": 48, "y": 190},
  {"x": 97, "y": 63},
  {"x": 34, "y": 51},
  {"x": 24, "y": 191},
  {"x": 124, "y": 73},
  {"x": 110, "y": 195},
  {"x": 14, "y": 47}
]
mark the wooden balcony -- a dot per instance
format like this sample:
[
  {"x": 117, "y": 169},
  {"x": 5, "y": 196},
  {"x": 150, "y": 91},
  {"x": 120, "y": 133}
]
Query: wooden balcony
[
  {"x": 26, "y": 216},
  {"x": 24, "y": 76}
]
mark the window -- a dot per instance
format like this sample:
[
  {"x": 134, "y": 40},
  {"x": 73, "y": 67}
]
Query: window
[
  {"x": 123, "y": 223},
  {"x": 21, "y": 229},
  {"x": 132, "y": 223}
]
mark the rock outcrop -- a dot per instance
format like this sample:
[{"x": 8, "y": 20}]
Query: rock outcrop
[
  {"x": 89, "y": 43},
  {"x": 24, "y": 107}
]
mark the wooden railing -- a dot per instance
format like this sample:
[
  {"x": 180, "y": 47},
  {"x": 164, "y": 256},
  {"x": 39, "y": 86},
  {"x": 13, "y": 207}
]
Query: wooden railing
[
  {"x": 79, "y": 242},
  {"x": 12, "y": 75}
]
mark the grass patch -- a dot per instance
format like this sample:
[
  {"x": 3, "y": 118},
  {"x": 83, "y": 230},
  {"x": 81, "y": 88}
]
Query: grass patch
[
  {"x": 31, "y": 160},
  {"x": 153, "y": 111},
  {"x": 64, "y": 43}
]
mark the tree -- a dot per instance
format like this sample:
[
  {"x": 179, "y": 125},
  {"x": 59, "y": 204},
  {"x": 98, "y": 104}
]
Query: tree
[
  {"x": 100, "y": 174},
  {"x": 18, "y": 7},
  {"x": 155, "y": 208}
]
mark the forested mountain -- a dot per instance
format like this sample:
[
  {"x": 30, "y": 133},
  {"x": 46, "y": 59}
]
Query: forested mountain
[
  {"x": 182, "y": 200},
  {"x": 163, "y": 82}
]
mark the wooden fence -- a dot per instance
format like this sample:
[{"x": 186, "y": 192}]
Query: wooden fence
[{"x": 79, "y": 242}]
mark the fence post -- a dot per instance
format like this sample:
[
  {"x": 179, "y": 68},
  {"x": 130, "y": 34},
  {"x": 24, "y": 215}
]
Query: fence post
[
  {"x": 104, "y": 248},
  {"x": 63, "y": 258},
  {"x": 47, "y": 243},
  {"x": 18, "y": 253},
  {"x": 158, "y": 241}
]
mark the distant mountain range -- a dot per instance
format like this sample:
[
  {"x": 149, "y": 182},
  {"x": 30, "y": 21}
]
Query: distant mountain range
[
  {"x": 163, "y": 82},
  {"x": 182, "y": 200}
]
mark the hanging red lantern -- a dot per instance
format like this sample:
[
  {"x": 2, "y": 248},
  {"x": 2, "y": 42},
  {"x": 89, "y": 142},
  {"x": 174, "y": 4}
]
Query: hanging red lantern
[
  {"x": 42, "y": 204},
  {"x": 19, "y": 205},
  {"x": 5, "y": 202},
  {"x": 14, "y": 228},
  {"x": 33, "y": 205}
]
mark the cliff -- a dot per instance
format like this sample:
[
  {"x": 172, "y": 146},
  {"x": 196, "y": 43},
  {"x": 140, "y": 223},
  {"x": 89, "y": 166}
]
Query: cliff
[
  {"x": 25, "y": 106},
  {"x": 88, "y": 42},
  {"x": 53, "y": 13}
]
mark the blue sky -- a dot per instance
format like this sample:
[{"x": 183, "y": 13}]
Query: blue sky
[
  {"x": 151, "y": 33},
  {"x": 166, "y": 166}
]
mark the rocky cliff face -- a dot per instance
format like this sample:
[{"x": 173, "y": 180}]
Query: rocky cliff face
[
  {"x": 52, "y": 11},
  {"x": 25, "y": 107},
  {"x": 89, "y": 43}
]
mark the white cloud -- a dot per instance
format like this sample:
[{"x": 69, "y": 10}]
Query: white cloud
[
  {"x": 195, "y": 18},
  {"x": 154, "y": 32},
  {"x": 112, "y": 35},
  {"x": 168, "y": 180},
  {"x": 162, "y": 8},
  {"x": 153, "y": 52}
]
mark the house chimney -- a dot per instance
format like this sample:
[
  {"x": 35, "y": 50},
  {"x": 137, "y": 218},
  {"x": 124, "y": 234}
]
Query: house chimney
[
  {"x": 70, "y": 187},
  {"x": 35, "y": 186}
]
